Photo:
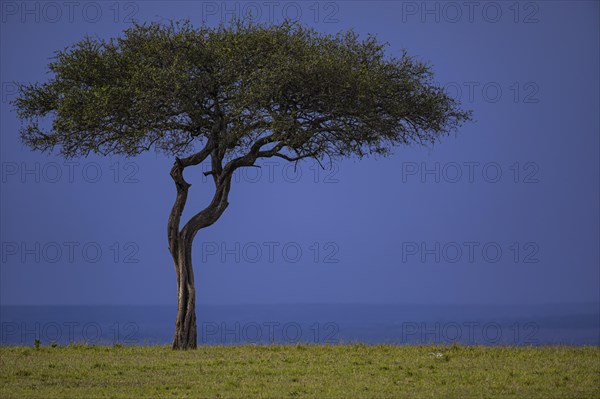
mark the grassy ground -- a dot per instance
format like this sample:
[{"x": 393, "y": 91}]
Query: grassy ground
[{"x": 340, "y": 371}]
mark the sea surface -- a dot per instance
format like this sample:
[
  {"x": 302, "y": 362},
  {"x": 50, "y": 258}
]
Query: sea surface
[{"x": 567, "y": 324}]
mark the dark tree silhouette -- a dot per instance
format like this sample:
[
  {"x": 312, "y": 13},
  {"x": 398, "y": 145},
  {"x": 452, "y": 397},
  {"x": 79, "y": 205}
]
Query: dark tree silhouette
[{"x": 232, "y": 94}]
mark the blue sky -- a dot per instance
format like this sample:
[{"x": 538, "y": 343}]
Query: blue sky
[{"x": 504, "y": 212}]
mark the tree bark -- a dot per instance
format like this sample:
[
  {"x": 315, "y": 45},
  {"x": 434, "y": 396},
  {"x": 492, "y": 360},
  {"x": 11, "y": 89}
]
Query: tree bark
[{"x": 185, "y": 325}]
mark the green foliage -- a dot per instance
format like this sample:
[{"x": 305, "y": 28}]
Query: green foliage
[{"x": 173, "y": 87}]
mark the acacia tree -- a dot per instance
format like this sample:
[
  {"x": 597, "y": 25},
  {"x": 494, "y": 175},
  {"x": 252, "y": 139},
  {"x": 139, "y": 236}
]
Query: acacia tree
[{"x": 232, "y": 94}]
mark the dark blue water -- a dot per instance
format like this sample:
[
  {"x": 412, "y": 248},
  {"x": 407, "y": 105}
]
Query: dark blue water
[{"x": 325, "y": 323}]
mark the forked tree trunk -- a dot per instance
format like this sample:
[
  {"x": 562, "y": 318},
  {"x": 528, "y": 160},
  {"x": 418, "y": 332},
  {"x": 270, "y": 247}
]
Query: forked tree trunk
[
  {"x": 185, "y": 325},
  {"x": 180, "y": 246}
]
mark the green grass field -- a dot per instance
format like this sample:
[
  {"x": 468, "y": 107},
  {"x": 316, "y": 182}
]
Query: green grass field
[{"x": 339, "y": 371}]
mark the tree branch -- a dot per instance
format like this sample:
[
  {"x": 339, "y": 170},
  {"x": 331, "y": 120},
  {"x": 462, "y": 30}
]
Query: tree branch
[{"x": 182, "y": 192}]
